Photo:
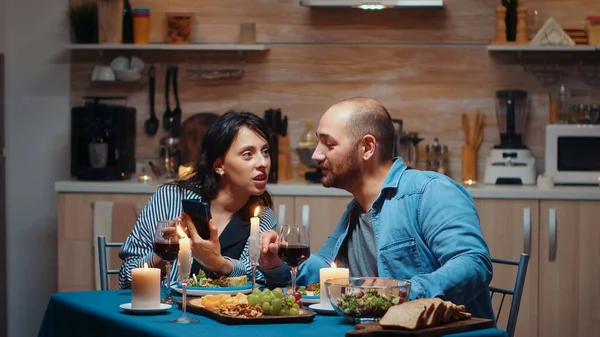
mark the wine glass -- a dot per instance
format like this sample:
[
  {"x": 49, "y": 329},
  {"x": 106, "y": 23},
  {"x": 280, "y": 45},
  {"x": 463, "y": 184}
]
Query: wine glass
[
  {"x": 166, "y": 246},
  {"x": 294, "y": 247}
]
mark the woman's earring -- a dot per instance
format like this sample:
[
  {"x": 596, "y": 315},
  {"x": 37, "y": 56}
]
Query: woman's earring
[{"x": 220, "y": 172}]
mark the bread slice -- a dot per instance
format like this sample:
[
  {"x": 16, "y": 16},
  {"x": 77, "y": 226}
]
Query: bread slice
[{"x": 407, "y": 315}]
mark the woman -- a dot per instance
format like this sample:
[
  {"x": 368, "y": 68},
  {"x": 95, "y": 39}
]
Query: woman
[{"x": 231, "y": 175}]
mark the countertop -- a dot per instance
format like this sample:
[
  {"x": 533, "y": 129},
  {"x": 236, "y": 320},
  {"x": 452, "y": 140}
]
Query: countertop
[{"x": 302, "y": 188}]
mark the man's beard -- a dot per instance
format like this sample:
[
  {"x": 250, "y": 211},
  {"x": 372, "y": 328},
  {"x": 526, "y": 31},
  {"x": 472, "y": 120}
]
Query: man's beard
[{"x": 345, "y": 176}]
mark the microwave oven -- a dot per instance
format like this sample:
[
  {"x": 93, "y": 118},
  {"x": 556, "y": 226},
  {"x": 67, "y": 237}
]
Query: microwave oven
[{"x": 573, "y": 153}]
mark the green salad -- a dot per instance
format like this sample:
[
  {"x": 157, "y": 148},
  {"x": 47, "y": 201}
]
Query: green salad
[{"x": 367, "y": 304}]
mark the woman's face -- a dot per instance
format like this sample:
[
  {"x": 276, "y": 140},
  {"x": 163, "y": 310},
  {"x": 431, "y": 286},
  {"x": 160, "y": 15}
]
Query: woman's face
[{"x": 247, "y": 162}]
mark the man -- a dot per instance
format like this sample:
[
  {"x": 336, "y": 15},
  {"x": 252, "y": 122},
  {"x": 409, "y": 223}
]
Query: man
[{"x": 402, "y": 223}]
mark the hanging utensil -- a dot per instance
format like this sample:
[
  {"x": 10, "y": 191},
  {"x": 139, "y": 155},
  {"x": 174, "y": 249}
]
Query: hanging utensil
[
  {"x": 176, "y": 113},
  {"x": 168, "y": 115},
  {"x": 151, "y": 124}
]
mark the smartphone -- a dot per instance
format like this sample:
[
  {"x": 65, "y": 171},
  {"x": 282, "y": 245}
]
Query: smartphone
[{"x": 199, "y": 212}]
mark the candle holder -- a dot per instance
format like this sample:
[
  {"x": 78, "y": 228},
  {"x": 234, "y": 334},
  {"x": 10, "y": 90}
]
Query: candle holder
[
  {"x": 184, "y": 276},
  {"x": 254, "y": 253}
]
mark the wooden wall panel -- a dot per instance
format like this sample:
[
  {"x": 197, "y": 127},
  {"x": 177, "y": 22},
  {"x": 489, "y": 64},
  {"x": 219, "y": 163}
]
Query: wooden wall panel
[{"x": 426, "y": 66}]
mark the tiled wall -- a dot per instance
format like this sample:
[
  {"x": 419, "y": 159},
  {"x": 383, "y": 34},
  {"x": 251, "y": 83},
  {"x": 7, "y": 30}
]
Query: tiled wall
[{"x": 427, "y": 66}]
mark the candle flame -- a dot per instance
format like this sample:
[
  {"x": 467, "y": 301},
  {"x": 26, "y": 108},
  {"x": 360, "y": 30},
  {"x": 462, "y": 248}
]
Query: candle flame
[
  {"x": 145, "y": 264},
  {"x": 180, "y": 232},
  {"x": 333, "y": 265},
  {"x": 256, "y": 211}
]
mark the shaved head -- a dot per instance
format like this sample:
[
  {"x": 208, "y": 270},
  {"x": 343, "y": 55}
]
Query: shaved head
[{"x": 365, "y": 116}]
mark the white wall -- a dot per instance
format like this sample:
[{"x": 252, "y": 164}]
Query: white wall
[{"x": 37, "y": 132}]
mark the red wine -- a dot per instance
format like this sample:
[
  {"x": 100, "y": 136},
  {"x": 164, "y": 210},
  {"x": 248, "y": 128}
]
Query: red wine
[
  {"x": 294, "y": 255},
  {"x": 166, "y": 251}
]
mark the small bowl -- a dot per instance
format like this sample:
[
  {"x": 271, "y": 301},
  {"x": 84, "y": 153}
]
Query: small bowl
[
  {"x": 129, "y": 75},
  {"x": 365, "y": 299}
]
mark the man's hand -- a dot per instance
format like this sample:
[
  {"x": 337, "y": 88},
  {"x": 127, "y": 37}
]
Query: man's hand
[{"x": 268, "y": 253}]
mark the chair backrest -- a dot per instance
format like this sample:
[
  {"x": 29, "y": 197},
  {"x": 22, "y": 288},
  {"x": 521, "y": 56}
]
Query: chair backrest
[
  {"x": 516, "y": 293},
  {"x": 102, "y": 264}
]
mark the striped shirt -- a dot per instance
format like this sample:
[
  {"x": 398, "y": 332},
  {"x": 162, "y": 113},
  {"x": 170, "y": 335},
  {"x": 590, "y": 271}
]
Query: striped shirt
[{"x": 165, "y": 204}]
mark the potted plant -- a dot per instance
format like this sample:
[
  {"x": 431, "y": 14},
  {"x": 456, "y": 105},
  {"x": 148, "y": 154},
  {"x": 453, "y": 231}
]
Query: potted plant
[{"x": 84, "y": 22}]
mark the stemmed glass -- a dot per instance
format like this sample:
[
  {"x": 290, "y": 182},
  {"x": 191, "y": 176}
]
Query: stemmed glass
[
  {"x": 166, "y": 246},
  {"x": 185, "y": 268},
  {"x": 294, "y": 247}
]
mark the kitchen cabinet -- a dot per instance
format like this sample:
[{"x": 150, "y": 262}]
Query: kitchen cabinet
[
  {"x": 561, "y": 288},
  {"x": 511, "y": 227},
  {"x": 77, "y": 258},
  {"x": 569, "y": 267},
  {"x": 324, "y": 215}
]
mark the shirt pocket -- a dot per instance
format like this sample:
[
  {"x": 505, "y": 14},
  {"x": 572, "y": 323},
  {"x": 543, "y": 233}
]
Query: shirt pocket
[{"x": 401, "y": 259}]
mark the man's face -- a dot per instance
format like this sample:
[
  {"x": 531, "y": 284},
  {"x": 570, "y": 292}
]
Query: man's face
[{"x": 337, "y": 150}]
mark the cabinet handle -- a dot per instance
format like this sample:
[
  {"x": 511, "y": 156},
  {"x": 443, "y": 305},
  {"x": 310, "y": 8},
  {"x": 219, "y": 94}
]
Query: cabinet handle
[
  {"x": 527, "y": 230},
  {"x": 306, "y": 215},
  {"x": 552, "y": 234}
]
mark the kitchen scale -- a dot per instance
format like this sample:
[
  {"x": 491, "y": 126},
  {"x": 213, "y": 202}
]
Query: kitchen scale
[{"x": 510, "y": 162}]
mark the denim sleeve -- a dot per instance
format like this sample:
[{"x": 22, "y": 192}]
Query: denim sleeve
[{"x": 450, "y": 227}]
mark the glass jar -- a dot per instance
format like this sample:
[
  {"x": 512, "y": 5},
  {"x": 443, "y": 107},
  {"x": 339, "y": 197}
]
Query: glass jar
[{"x": 179, "y": 28}]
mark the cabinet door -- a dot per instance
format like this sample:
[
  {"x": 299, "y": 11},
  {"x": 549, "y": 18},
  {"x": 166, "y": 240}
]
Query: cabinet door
[
  {"x": 324, "y": 215},
  {"x": 76, "y": 257},
  {"x": 288, "y": 203},
  {"x": 511, "y": 227},
  {"x": 569, "y": 269}
]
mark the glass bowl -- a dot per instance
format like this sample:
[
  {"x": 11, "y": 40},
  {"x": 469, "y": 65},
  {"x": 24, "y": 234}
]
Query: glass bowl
[{"x": 365, "y": 299}]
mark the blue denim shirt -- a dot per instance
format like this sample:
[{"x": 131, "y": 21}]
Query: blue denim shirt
[{"x": 426, "y": 231}]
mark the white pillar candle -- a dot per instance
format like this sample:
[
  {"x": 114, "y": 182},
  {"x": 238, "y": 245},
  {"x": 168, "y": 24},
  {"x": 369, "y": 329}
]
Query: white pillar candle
[
  {"x": 254, "y": 223},
  {"x": 329, "y": 273},
  {"x": 254, "y": 240},
  {"x": 145, "y": 288}
]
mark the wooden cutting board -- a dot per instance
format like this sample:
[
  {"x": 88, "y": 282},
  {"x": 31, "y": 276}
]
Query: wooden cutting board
[
  {"x": 305, "y": 316},
  {"x": 374, "y": 329}
]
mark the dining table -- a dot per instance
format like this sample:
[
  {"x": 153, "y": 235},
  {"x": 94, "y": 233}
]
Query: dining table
[{"x": 98, "y": 313}]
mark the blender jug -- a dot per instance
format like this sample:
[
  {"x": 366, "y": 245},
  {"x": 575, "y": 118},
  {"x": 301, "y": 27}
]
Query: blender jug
[{"x": 511, "y": 116}]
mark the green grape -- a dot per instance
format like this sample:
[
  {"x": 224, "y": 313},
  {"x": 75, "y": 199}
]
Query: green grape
[
  {"x": 252, "y": 299},
  {"x": 264, "y": 299},
  {"x": 284, "y": 312},
  {"x": 266, "y": 306},
  {"x": 295, "y": 306},
  {"x": 266, "y": 291},
  {"x": 278, "y": 292},
  {"x": 256, "y": 291},
  {"x": 273, "y": 312},
  {"x": 294, "y": 311},
  {"x": 277, "y": 304}
]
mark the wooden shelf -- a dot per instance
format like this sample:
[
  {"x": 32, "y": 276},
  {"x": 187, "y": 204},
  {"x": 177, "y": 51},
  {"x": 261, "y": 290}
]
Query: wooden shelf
[
  {"x": 528, "y": 48},
  {"x": 174, "y": 47}
]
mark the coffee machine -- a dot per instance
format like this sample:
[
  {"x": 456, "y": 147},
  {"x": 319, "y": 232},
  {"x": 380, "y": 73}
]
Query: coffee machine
[
  {"x": 510, "y": 162},
  {"x": 103, "y": 139}
]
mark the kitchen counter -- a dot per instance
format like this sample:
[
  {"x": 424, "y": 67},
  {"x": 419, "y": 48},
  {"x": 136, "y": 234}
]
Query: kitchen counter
[{"x": 301, "y": 188}]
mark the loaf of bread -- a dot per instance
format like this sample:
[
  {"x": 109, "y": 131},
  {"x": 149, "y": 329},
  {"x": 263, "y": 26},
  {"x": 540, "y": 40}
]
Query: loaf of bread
[{"x": 423, "y": 313}]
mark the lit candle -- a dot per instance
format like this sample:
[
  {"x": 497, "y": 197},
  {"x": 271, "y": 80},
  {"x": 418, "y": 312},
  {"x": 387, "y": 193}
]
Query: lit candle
[
  {"x": 329, "y": 273},
  {"x": 145, "y": 288},
  {"x": 254, "y": 239},
  {"x": 184, "y": 257},
  {"x": 254, "y": 223}
]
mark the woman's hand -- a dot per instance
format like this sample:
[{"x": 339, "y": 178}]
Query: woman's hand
[
  {"x": 207, "y": 252},
  {"x": 268, "y": 253}
]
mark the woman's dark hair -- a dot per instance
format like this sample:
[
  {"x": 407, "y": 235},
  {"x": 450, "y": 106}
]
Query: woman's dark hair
[{"x": 203, "y": 180}]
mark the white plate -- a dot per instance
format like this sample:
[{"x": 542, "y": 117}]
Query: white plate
[
  {"x": 324, "y": 309},
  {"x": 310, "y": 300},
  {"x": 163, "y": 307},
  {"x": 197, "y": 292}
]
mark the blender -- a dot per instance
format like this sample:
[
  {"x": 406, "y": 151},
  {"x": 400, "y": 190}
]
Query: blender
[{"x": 510, "y": 162}]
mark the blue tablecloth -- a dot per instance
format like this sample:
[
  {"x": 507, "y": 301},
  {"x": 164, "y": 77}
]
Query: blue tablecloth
[{"x": 97, "y": 313}]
